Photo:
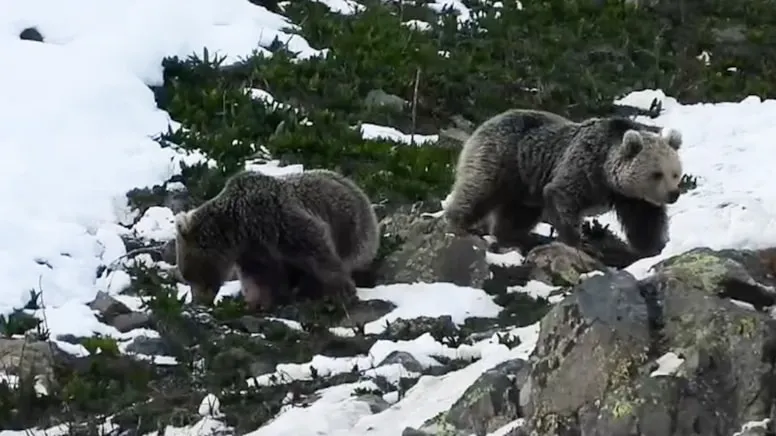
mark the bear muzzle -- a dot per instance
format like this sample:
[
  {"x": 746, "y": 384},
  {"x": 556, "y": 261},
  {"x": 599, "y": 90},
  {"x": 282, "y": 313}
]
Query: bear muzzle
[{"x": 673, "y": 196}]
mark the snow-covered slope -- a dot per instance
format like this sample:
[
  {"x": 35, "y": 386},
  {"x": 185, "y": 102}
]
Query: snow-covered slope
[{"x": 76, "y": 122}]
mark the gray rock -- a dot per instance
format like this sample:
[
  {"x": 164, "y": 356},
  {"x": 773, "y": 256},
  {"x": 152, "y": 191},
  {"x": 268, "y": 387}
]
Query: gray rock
[
  {"x": 669, "y": 355},
  {"x": 129, "y": 321},
  {"x": 227, "y": 361},
  {"x": 362, "y": 312},
  {"x": 409, "y": 431},
  {"x": 398, "y": 222},
  {"x": 148, "y": 346},
  {"x": 452, "y": 138},
  {"x": 261, "y": 367},
  {"x": 118, "y": 315},
  {"x": 253, "y": 324},
  {"x": 108, "y": 307},
  {"x": 377, "y": 98},
  {"x": 27, "y": 359},
  {"x": 487, "y": 405},
  {"x": 407, "y": 360},
  {"x": 731, "y": 34},
  {"x": 414, "y": 327},
  {"x": 429, "y": 254},
  {"x": 559, "y": 264},
  {"x": 376, "y": 403},
  {"x": 719, "y": 273},
  {"x": 31, "y": 34},
  {"x": 69, "y": 338},
  {"x": 761, "y": 264},
  {"x": 461, "y": 123}
]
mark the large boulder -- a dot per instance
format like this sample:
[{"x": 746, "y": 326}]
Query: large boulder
[
  {"x": 428, "y": 253},
  {"x": 683, "y": 352},
  {"x": 669, "y": 355}
]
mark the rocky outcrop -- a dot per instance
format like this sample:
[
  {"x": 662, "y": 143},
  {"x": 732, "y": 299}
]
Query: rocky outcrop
[
  {"x": 687, "y": 351},
  {"x": 430, "y": 254}
]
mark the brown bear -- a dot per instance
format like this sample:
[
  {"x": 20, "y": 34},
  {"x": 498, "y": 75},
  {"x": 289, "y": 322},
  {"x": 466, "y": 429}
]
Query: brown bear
[
  {"x": 522, "y": 166},
  {"x": 312, "y": 230}
]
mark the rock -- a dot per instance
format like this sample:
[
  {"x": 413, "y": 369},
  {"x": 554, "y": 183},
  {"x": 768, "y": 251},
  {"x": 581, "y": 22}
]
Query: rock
[
  {"x": 407, "y": 360},
  {"x": 559, "y": 264},
  {"x": 409, "y": 431},
  {"x": 461, "y": 123},
  {"x": 718, "y": 273},
  {"x": 118, "y": 315},
  {"x": 148, "y": 346},
  {"x": 237, "y": 363},
  {"x": 429, "y": 254},
  {"x": 253, "y": 324},
  {"x": 376, "y": 403},
  {"x": 488, "y": 404},
  {"x": 365, "y": 311},
  {"x": 26, "y": 358},
  {"x": 761, "y": 264},
  {"x": 377, "y": 98},
  {"x": 452, "y": 138},
  {"x": 126, "y": 322},
  {"x": 399, "y": 222},
  {"x": 31, "y": 34},
  {"x": 414, "y": 327},
  {"x": 730, "y": 34},
  {"x": 503, "y": 276},
  {"x": 108, "y": 307},
  {"x": 668, "y": 355}
]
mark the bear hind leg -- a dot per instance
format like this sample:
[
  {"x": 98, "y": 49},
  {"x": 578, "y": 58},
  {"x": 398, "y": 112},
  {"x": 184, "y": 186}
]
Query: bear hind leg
[
  {"x": 309, "y": 249},
  {"x": 471, "y": 199},
  {"x": 264, "y": 280},
  {"x": 511, "y": 225},
  {"x": 256, "y": 295}
]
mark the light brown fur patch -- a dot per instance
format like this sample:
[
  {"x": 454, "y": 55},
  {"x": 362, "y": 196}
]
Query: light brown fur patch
[{"x": 255, "y": 296}]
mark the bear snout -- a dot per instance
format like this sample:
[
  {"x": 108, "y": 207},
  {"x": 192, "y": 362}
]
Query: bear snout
[{"x": 673, "y": 196}]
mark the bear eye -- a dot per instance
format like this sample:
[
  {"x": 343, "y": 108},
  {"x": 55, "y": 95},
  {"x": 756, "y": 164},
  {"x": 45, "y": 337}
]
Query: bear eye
[{"x": 657, "y": 175}]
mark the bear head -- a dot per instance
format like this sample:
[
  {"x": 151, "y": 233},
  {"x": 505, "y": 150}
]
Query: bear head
[
  {"x": 202, "y": 258},
  {"x": 646, "y": 165}
]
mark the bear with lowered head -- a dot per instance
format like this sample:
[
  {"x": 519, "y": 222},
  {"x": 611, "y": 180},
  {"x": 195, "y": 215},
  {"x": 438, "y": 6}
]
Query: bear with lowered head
[
  {"x": 311, "y": 230},
  {"x": 522, "y": 166}
]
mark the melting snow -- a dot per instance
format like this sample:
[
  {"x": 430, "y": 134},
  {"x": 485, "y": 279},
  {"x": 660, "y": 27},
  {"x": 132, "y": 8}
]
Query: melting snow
[{"x": 76, "y": 141}]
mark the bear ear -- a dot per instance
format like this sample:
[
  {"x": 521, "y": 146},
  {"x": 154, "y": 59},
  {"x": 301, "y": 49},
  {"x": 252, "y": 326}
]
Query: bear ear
[
  {"x": 183, "y": 222},
  {"x": 673, "y": 136},
  {"x": 632, "y": 143}
]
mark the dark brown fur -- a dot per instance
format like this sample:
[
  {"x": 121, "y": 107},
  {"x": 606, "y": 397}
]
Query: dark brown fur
[
  {"x": 522, "y": 166},
  {"x": 309, "y": 230}
]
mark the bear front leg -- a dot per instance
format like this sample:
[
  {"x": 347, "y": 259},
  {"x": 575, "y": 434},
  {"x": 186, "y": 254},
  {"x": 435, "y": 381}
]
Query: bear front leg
[
  {"x": 564, "y": 214},
  {"x": 645, "y": 225}
]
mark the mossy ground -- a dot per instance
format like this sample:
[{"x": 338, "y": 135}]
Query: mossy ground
[{"x": 570, "y": 57}]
